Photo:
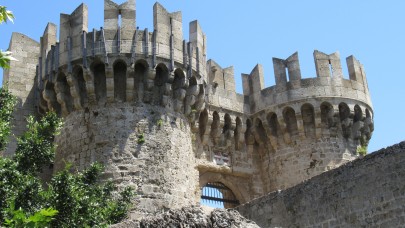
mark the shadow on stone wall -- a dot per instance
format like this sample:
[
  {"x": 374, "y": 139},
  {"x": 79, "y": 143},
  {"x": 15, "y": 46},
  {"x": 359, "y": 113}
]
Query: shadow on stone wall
[{"x": 363, "y": 193}]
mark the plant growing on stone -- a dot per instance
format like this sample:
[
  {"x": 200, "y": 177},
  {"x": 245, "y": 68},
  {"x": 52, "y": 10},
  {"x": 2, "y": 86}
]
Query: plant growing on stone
[
  {"x": 159, "y": 122},
  {"x": 362, "y": 150},
  {"x": 141, "y": 138}
]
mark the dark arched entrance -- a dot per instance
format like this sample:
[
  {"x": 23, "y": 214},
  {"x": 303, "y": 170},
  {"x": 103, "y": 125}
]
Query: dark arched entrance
[{"x": 216, "y": 194}]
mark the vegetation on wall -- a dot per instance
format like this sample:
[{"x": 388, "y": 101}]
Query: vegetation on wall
[
  {"x": 362, "y": 150},
  {"x": 70, "y": 199},
  {"x": 76, "y": 199}
]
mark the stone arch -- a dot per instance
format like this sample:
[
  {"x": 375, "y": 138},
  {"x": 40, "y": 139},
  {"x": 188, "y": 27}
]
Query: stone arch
[
  {"x": 120, "y": 80},
  {"x": 227, "y": 123},
  {"x": 358, "y": 123},
  {"x": 249, "y": 137},
  {"x": 162, "y": 75},
  {"x": 273, "y": 124},
  {"x": 215, "y": 127},
  {"x": 259, "y": 132},
  {"x": 218, "y": 193},
  {"x": 290, "y": 120},
  {"x": 43, "y": 105},
  {"x": 327, "y": 115},
  {"x": 161, "y": 78},
  {"x": 202, "y": 123},
  {"x": 369, "y": 125},
  {"x": 141, "y": 67},
  {"x": 344, "y": 111},
  {"x": 64, "y": 89},
  {"x": 192, "y": 81},
  {"x": 237, "y": 133},
  {"x": 178, "y": 87},
  {"x": 100, "y": 83},
  {"x": 81, "y": 85},
  {"x": 358, "y": 114},
  {"x": 179, "y": 79},
  {"x": 50, "y": 97},
  {"x": 308, "y": 119},
  {"x": 241, "y": 194},
  {"x": 345, "y": 120},
  {"x": 192, "y": 92},
  {"x": 227, "y": 130},
  {"x": 368, "y": 115}
]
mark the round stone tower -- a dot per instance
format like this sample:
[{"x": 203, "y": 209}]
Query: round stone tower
[
  {"x": 274, "y": 138},
  {"x": 129, "y": 98},
  {"x": 169, "y": 123}
]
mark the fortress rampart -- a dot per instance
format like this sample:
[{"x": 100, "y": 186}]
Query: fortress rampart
[
  {"x": 165, "y": 120},
  {"x": 368, "y": 192}
]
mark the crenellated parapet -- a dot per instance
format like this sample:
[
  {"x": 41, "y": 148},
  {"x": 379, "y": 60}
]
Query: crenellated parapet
[
  {"x": 161, "y": 117},
  {"x": 120, "y": 63},
  {"x": 290, "y": 87},
  {"x": 291, "y": 131}
]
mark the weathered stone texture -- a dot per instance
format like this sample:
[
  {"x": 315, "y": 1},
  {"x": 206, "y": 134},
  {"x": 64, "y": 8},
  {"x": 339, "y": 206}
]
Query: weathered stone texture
[
  {"x": 20, "y": 79},
  {"x": 192, "y": 217},
  {"x": 161, "y": 168},
  {"x": 368, "y": 192},
  {"x": 119, "y": 86}
]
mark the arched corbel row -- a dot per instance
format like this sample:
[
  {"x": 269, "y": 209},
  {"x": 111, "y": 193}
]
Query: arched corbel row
[
  {"x": 49, "y": 96},
  {"x": 74, "y": 91},
  {"x": 215, "y": 128},
  {"x": 109, "y": 78},
  {"x": 346, "y": 120},
  {"x": 239, "y": 133},
  {"x": 89, "y": 80},
  {"x": 130, "y": 84},
  {"x": 179, "y": 86},
  {"x": 63, "y": 95},
  {"x": 308, "y": 120}
]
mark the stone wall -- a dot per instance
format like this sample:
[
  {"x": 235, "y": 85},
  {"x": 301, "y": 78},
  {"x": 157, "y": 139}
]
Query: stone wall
[
  {"x": 304, "y": 159},
  {"x": 21, "y": 79},
  {"x": 143, "y": 146},
  {"x": 367, "y": 192}
]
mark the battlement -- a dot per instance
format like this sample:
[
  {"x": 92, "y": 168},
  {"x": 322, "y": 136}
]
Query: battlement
[
  {"x": 120, "y": 36},
  {"x": 148, "y": 105},
  {"x": 291, "y": 87}
]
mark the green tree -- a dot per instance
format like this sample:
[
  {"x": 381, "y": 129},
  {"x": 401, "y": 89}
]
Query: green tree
[
  {"x": 5, "y": 57},
  {"x": 5, "y": 15},
  {"x": 71, "y": 199},
  {"x": 7, "y": 103}
]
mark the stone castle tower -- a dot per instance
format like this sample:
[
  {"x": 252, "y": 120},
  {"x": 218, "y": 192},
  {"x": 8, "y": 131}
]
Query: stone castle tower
[{"x": 163, "y": 119}]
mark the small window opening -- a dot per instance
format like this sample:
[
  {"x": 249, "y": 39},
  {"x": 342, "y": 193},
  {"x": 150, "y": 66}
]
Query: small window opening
[
  {"x": 331, "y": 69},
  {"x": 223, "y": 78},
  {"x": 217, "y": 195},
  {"x": 286, "y": 74},
  {"x": 119, "y": 19}
]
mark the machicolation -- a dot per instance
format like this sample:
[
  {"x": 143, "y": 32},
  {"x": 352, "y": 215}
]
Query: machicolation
[{"x": 117, "y": 84}]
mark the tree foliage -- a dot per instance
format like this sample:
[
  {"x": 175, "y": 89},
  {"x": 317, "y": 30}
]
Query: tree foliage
[
  {"x": 5, "y": 57},
  {"x": 7, "y": 103},
  {"x": 5, "y": 15},
  {"x": 71, "y": 199}
]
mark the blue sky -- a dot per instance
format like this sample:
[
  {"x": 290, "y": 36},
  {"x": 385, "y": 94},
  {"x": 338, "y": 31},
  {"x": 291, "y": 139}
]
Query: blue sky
[{"x": 243, "y": 35}]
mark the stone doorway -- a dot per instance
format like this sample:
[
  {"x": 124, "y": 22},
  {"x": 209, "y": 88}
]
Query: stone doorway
[{"x": 216, "y": 194}]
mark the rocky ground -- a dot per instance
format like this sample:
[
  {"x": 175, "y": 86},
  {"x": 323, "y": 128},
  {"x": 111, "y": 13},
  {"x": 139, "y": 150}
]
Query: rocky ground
[{"x": 193, "y": 217}]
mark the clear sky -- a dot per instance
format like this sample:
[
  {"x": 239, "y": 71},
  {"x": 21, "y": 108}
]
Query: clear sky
[{"x": 243, "y": 34}]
